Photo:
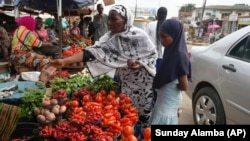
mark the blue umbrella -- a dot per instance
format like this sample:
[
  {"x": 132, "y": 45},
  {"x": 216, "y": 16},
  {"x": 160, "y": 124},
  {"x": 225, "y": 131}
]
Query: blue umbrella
[{"x": 51, "y": 5}]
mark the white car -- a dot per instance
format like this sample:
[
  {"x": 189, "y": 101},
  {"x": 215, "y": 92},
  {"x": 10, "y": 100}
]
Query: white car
[
  {"x": 140, "y": 23},
  {"x": 220, "y": 87}
]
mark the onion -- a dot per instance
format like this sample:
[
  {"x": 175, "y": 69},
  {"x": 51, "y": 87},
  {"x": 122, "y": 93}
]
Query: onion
[
  {"x": 46, "y": 103},
  {"x": 45, "y": 111},
  {"x": 63, "y": 109},
  {"x": 45, "y": 98},
  {"x": 50, "y": 116},
  {"x": 37, "y": 111},
  {"x": 41, "y": 118},
  {"x": 54, "y": 101},
  {"x": 55, "y": 110}
]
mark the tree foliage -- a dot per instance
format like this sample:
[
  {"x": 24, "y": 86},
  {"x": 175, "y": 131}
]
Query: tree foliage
[{"x": 187, "y": 7}]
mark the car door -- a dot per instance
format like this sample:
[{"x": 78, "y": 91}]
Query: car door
[{"x": 234, "y": 81}]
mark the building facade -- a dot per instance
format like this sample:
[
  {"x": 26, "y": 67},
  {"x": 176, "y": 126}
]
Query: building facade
[{"x": 231, "y": 17}]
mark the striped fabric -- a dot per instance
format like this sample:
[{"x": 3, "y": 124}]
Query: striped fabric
[
  {"x": 9, "y": 116},
  {"x": 22, "y": 34}
]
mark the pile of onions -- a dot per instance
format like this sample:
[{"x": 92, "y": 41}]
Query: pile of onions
[{"x": 49, "y": 110}]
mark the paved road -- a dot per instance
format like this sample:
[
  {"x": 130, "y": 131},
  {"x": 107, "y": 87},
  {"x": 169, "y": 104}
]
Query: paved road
[{"x": 186, "y": 117}]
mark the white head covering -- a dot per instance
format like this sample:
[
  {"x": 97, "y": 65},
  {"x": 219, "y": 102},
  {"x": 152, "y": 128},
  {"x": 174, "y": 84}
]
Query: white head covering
[
  {"x": 113, "y": 50},
  {"x": 124, "y": 12}
]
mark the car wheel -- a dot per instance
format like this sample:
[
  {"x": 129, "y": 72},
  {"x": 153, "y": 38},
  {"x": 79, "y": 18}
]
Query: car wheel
[{"x": 207, "y": 107}]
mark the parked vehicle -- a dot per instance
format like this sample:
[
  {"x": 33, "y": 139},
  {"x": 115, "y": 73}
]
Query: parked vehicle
[
  {"x": 141, "y": 23},
  {"x": 220, "y": 87}
]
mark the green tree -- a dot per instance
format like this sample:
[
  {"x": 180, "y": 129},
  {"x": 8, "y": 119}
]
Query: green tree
[{"x": 187, "y": 8}]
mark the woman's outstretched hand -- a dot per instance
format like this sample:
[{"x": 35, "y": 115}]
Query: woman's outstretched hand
[{"x": 57, "y": 63}]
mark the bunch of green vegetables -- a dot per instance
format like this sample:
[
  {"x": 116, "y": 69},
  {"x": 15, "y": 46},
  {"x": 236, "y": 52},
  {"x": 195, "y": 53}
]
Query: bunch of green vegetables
[
  {"x": 77, "y": 82},
  {"x": 31, "y": 98},
  {"x": 103, "y": 82},
  {"x": 71, "y": 84}
]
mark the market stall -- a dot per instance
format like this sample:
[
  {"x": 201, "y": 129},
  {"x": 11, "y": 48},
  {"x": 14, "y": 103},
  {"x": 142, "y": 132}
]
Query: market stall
[
  {"x": 73, "y": 107},
  {"x": 58, "y": 8}
]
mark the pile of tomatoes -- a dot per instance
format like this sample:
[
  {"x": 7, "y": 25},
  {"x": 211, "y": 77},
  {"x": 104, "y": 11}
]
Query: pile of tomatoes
[
  {"x": 62, "y": 73},
  {"x": 72, "y": 50},
  {"x": 102, "y": 116}
]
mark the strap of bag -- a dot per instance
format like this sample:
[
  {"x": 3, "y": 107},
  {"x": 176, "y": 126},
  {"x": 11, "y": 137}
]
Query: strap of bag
[{"x": 26, "y": 46}]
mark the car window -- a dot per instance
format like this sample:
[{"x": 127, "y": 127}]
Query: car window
[
  {"x": 246, "y": 55},
  {"x": 239, "y": 50}
]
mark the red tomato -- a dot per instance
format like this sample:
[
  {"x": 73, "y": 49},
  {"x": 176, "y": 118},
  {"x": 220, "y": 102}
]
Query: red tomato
[
  {"x": 113, "y": 93},
  {"x": 122, "y": 96},
  {"x": 127, "y": 131},
  {"x": 86, "y": 98},
  {"x": 132, "y": 138},
  {"x": 98, "y": 99},
  {"x": 75, "y": 103},
  {"x": 147, "y": 133},
  {"x": 127, "y": 99}
]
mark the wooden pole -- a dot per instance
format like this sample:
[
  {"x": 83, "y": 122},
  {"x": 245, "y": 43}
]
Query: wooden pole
[
  {"x": 59, "y": 11},
  {"x": 201, "y": 17}
]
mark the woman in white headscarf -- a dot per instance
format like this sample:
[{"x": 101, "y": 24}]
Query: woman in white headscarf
[{"x": 128, "y": 50}]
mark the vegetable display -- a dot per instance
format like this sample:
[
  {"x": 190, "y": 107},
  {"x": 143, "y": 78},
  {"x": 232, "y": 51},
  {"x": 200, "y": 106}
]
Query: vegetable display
[
  {"x": 100, "y": 116},
  {"x": 30, "y": 100},
  {"x": 77, "y": 82},
  {"x": 81, "y": 108}
]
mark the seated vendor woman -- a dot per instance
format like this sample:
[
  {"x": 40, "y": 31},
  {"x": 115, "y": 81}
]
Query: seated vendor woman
[
  {"x": 23, "y": 44},
  {"x": 42, "y": 34}
]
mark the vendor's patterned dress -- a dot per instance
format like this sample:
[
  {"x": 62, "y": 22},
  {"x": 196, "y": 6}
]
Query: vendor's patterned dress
[
  {"x": 138, "y": 85},
  {"x": 23, "y": 54},
  {"x": 4, "y": 39}
]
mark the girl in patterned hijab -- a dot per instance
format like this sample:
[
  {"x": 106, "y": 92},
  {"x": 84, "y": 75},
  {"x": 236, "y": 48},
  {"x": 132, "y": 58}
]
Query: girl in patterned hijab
[{"x": 130, "y": 52}]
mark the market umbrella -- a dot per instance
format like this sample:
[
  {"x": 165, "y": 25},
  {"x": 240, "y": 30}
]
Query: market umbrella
[
  {"x": 57, "y": 6},
  {"x": 52, "y": 5},
  {"x": 213, "y": 26}
]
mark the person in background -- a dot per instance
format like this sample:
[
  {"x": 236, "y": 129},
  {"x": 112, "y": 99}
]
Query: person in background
[
  {"x": 81, "y": 25},
  {"x": 172, "y": 77},
  {"x": 211, "y": 37},
  {"x": 42, "y": 34},
  {"x": 4, "y": 42},
  {"x": 152, "y": 30},
  {"x": 100, "y": 23},
  {"x": 91, "y": 29},
  {"x": 23, "y": 44},
  {"x": 87, "y": 25},
  {"x": 218, "y": 35},
  {"x": 40, "y": 31},
  {"x": 50, "y": 27},
  {"x": 129, "y": 51},
  {"x": 75, "y": 31}
]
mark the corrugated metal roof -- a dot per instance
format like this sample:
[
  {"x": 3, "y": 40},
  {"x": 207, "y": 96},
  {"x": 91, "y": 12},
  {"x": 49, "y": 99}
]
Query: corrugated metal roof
[{"x": 226, "y": 7}]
